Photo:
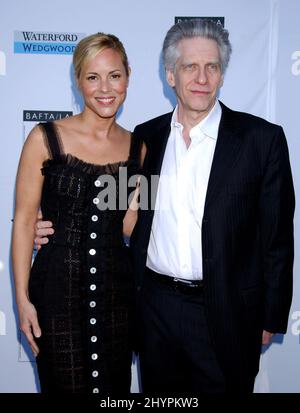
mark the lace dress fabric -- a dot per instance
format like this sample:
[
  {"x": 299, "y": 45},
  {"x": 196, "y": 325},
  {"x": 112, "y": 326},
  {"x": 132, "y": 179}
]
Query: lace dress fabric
[{"x": 81, "y": 282}]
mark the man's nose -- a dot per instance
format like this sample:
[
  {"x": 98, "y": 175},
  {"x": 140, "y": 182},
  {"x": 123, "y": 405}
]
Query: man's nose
[{"x": 201, "y": 75}]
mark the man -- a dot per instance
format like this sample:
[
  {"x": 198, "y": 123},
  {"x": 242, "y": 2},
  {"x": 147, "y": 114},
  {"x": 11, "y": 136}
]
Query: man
[
  {"x": 227, "y": 191},
  {"x": 214, "y": 258}
]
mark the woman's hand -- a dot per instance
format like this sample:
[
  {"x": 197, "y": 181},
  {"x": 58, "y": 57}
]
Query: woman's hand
[{"x": 29, "y": 324}]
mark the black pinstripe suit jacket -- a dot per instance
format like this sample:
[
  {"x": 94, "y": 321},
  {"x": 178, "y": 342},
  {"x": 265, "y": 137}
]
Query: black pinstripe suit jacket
[{"x": 247, "y": 234}]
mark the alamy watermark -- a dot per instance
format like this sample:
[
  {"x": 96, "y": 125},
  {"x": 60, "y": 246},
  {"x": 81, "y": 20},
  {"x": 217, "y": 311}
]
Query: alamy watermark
[
  {"x": 141, "y": 196},
  {"x": 295, "y": 328},
  {"x": 2, "y": 324},
  {"x": 296, "y": 64},
  {"x": 2, "y": 63}
]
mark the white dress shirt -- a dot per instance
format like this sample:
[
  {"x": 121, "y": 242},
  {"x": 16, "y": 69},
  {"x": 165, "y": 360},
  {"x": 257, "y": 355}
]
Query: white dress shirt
[{"x": 175, "y": 246}]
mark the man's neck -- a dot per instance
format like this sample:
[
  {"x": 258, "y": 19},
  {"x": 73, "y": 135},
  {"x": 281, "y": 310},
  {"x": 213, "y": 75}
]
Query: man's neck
[{"x": 189, "y": 119}]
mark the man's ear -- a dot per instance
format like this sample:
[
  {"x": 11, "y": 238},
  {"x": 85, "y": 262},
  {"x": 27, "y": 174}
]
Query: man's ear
[
  {"x": 221, "y": 81},
  {"x": 170, "y": 78}
]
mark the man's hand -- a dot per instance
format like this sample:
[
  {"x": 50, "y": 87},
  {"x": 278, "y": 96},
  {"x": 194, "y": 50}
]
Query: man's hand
[
  {"x": 42, "y": 229},
  {"x": 266, "y": 337}
]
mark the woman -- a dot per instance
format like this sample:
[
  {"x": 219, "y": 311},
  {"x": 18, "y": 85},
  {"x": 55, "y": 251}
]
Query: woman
[{"x": 75, "y": 304}]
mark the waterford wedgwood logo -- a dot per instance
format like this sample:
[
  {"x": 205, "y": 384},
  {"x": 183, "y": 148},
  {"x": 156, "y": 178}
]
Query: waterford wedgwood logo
[{"x": 29, "y": 42}]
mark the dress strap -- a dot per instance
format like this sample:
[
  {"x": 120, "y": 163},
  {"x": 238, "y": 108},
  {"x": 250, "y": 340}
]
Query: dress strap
[
  {"x": 135, "y": 149},
  {"x": 52, "y": 139}
]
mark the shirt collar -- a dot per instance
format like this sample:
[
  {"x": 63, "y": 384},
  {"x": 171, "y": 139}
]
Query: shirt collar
[{"x": 209, "y": 126}]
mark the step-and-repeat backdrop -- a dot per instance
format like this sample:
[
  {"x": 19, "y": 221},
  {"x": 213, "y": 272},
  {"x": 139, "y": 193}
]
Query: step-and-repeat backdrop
[{"x": 37, "y": 39}]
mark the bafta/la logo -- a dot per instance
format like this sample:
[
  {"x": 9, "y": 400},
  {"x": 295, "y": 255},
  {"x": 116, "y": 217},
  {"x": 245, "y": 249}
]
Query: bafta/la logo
[
  {"x": 2, "y": 63},
  {"x": 296, "y": 63},
  {"x": 2, "y": 324}
]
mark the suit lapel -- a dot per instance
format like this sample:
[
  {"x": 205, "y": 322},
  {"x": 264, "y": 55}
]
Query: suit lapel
[
  {"x": 227, "y": 149},
  {"x": 157, "y": 138},
  {"x": 159, "y": 143}
]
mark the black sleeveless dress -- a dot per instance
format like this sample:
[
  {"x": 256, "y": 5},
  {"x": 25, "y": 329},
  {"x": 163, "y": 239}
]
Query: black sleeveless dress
[{"x": 81, "y": 282}]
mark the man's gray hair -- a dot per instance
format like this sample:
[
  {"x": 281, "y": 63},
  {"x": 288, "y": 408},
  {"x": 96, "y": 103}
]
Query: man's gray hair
[{"x": 189, "y": 29}]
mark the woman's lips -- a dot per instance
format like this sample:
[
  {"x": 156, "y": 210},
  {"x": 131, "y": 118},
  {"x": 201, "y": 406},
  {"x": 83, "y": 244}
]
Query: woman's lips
[{"x": 106, "y": 101}]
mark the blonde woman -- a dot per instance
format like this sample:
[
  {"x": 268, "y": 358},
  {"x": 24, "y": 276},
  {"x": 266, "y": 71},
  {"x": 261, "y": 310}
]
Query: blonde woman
[{"x": 76, "y": 302}]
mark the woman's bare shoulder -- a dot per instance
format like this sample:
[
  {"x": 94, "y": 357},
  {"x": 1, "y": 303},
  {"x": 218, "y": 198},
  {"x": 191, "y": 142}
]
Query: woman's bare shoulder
[{"x": 68, "y": 123}]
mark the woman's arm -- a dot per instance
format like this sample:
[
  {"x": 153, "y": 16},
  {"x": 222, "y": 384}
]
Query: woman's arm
[
  {"x": 130, "y": 218},
  {"x": 28, "y": 194},
  {"x": 131, "y": 215}
]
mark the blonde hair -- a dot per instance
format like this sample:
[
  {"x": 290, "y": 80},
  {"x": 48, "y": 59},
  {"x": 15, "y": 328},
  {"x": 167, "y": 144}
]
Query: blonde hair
[{"x": 91, "y": 45}]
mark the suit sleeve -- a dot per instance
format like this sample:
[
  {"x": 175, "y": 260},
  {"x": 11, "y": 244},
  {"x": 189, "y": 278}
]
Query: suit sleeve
[{"x": 277, "y": 204}]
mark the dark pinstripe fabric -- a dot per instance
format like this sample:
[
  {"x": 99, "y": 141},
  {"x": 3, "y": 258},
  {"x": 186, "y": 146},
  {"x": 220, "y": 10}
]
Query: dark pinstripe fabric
[{"x": 247, "y": 236}]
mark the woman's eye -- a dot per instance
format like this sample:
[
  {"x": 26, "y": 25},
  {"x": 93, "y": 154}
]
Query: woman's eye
[{"x": 116, "y": 76}]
